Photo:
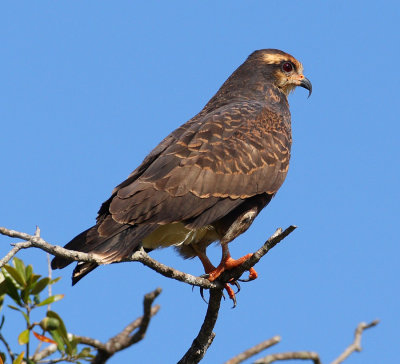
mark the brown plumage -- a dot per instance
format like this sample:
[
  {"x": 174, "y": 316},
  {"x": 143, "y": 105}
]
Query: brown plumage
[{"x": 209, "y": 178}]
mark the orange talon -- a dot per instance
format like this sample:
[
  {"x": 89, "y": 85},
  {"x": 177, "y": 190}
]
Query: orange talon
[
  {"x": 230, "y": 263},
  {"x": 252, "y": 274},
  {"x": 227, "y": 262},
  {"x": 231, "y": 294}
]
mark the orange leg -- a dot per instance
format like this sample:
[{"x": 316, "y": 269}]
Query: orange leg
[
  {"x": 227, "y": 262},
  {"x": 209, "y": 267}
]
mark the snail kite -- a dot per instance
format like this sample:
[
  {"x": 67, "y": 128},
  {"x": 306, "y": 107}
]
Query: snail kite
[{"x": 208, "y": 179}]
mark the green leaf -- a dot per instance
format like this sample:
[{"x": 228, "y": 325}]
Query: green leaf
[
  {"x": 85, "y": 353},
  {"x": 39, "y": 286},
  {"x": 25, "y": 295},
  {"x": 28, "y": 272},
  {"x": 3, "y": 288},
  {"x": 1, "y": 301},
  {"x": 14, "y": 308},
  {"x": 18, "y": 360},
  {"x": 3, "y": 357},
  {"x": 55, "y": 280},
  {"x": 58, "y": 339},
  {"x": 23, "y": 337},
  {"x": 15, "y": 274},
  {"x": 35, "y": 277},
  {"x": 51, "y": 299},
  {"x": 19, "y": 266},
  {"x": 12, "y": 291},
  {"x": 62, "y": 329}
]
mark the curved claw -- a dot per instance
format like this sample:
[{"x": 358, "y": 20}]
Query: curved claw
[
  {"x": 234, "y": 302},
  {"x": 252, "y": 276},
  {"x": 202, "y": 295},
  {"x": 237, "y": 285}
]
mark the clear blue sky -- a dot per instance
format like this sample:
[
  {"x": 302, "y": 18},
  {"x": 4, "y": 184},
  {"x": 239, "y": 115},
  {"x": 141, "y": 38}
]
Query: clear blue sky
[{"x": 87, "y": 89}]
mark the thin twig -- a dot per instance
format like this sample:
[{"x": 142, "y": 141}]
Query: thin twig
[
  {"x": 302, "y": 355},
  {"x": 10, "y": 353},
  {"x": 254, "y": 350},
  {"x": 356, "y": 345},
  {"x": 13, "y": 251},
  {"x": 124, "y": 339}
]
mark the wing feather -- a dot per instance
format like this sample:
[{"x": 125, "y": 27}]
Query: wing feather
[{"x": 235, "y": 152}]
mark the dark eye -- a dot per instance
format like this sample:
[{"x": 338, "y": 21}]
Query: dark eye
[{"x": 287, "y": 67}]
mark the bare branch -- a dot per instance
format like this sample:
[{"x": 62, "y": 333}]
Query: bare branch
[
  {"x": 117, "y": 343},
  {"x": 124, "y": 339},
  {"x": 302, "y": 355},
  {"x": 254, "y": 350},
  {"x": 206, "y": 336},
  {"x": 51, "y": 349},
  {"x": 169, "y": 272},
  {"x": 139, "y": 256},
  {"x": 356, "y": 345},
  {"x": 94, "y": 343},
  {"x": 142, "y": 257},
  {"x": 14, "y": 251}
]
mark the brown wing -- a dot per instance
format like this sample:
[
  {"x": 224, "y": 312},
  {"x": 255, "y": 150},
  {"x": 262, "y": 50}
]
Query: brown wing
[{"x": 235, "y": 152}]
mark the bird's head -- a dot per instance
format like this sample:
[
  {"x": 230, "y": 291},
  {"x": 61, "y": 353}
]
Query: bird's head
[{"x": 285, "y": 71}]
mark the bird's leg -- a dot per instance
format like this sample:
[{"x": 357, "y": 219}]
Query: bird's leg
[
  {"x": 227, "y": 262},
  {"x": 209, "y": 267}
]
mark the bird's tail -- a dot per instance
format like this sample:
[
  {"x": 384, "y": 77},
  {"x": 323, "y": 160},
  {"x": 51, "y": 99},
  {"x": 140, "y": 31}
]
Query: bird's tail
[{"x": 122, "y": 243}]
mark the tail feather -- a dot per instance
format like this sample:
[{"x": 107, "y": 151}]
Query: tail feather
[
  {"x": 120, "y": 245},
  {"x": 75, "y": 244}
]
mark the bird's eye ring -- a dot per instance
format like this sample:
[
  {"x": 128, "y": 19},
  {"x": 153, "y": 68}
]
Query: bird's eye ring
[{"x": 287, "y": 67}]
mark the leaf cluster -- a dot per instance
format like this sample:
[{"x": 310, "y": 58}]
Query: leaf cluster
[{"x": 25, "y": 288}]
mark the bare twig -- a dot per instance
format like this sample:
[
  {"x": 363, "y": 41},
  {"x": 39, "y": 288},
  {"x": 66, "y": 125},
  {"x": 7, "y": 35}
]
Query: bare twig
[
  {"x": 13, "y": 251},
  {"x": 51, "y": 349},
  {"x": 206, "y": 336},
  {"x": 124, "y": 339},
  {"x": 10, "y": 353},
  {"x": 356, "y": 345},
  {"x": 309, "y": 355},
  {"x": 254, "y": 350},
  {"x": 302, "y": 355}
]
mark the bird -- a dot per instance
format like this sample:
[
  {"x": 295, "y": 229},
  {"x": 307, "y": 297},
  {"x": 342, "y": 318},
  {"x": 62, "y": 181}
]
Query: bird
[{"x": 207, "y": 180}]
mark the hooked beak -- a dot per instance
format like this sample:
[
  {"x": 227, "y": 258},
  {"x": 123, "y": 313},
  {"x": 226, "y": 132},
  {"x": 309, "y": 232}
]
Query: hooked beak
[{"x": 305, "y": 83}]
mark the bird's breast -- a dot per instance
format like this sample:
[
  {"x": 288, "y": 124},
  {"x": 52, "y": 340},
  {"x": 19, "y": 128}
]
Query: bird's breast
[{"x": 177, "y": 234}]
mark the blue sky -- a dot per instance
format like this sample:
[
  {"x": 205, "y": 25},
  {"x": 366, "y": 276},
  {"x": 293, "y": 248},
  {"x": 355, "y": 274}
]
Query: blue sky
[{"x": 89, "y": 88}]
